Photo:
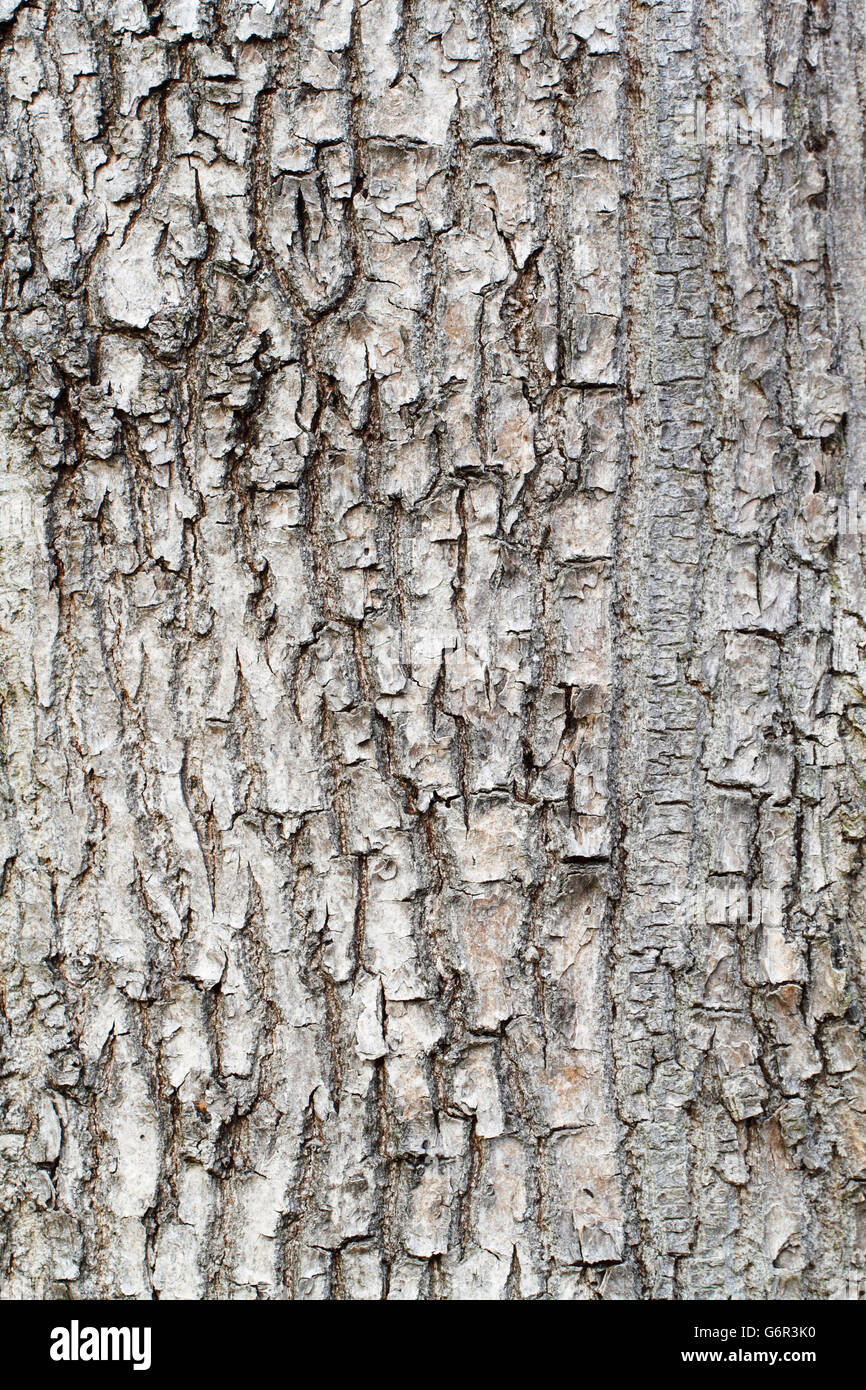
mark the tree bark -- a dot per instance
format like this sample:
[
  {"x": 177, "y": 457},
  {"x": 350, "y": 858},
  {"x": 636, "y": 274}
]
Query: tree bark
[{"x": 432, "y": 632}]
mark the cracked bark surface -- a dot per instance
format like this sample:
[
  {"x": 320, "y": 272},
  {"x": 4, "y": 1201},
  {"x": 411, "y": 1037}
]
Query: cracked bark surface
[{"x": 431, "y": 649}]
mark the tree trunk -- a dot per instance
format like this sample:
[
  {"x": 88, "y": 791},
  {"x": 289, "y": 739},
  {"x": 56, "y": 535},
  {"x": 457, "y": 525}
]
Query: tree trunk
[{"x": 432, "y": 627}]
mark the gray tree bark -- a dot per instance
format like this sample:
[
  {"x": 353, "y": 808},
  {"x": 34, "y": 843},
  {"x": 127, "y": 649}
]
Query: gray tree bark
[{"x": 432, "y": 630}]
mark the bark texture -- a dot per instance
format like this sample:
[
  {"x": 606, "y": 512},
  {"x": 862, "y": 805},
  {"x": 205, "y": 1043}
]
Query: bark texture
[{"x": 432, "y": 632}]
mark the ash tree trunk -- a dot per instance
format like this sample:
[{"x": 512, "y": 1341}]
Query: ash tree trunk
[{"x": 432, "y": 625}]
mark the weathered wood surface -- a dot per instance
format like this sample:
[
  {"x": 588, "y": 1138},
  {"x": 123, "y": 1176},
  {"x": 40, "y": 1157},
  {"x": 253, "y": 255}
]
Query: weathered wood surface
[{"x": 431, "y": 623}]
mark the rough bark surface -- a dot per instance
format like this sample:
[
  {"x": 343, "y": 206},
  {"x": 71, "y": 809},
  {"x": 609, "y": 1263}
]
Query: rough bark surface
[{"x": 432, "y": 634}]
